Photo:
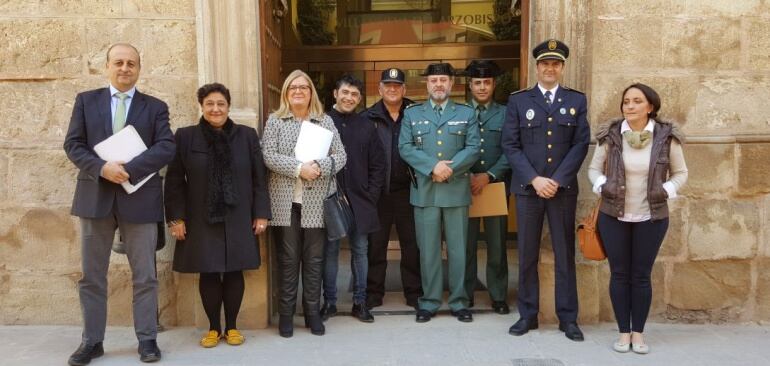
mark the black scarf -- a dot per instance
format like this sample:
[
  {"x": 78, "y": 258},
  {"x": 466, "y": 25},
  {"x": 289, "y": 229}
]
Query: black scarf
[{"x": 221, "y": 190}]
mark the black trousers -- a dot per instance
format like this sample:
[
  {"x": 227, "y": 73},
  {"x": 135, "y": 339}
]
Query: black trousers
[
  {"x": 394, "y": 208},
  {"x": 300, "y": 248},
  {"x": 631, "y": 249},
  {"x": 560, "y": 210}
]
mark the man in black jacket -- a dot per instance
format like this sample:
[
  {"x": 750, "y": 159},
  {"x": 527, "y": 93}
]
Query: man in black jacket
[
  {"x": 361, "y": 181},
  {"x": 393, "y": 206}
]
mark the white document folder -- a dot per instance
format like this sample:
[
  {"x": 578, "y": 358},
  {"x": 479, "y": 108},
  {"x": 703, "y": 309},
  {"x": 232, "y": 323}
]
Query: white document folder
[
  {"x": 123, "y": 146},
  {"x": 313, "y": 142}
]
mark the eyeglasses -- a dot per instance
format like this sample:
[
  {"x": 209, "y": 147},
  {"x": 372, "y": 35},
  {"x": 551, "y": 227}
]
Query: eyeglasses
[{"x": 302, "y": 88}]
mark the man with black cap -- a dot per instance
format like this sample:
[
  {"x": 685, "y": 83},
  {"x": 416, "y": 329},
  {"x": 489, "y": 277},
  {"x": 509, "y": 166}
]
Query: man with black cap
[
  {"x": 393, "y": 206},
  {"x": 491, "y": 167},
  {"x": 440, "y": 140},
  {"x": 545, "y": 138}
]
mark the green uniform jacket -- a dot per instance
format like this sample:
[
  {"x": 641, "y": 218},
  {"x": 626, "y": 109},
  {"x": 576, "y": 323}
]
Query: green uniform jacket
[
  {"x": 492, "y": 159},
  {"x": 426, "y": 139}
]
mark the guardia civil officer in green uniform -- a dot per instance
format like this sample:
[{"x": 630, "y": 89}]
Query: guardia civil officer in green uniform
[
  {"x": 439, "y": 139},
  {"x": 491, "y": 167}
]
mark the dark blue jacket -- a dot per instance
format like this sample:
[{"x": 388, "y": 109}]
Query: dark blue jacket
[
  {"x": 542, "y": 141},
  {"x": 91, "y": 123}
]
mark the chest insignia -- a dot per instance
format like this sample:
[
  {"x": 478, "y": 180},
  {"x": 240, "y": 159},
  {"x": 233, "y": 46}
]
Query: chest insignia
[
  {"x": 530, "y": 114},
  {"x": 455, "y": 123},
  {"x": 572, "y": 111},
  {"x": 563, "y": 111}
]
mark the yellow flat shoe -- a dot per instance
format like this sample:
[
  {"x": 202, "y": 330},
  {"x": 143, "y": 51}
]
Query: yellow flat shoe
[
  {"x": 210, "y": 340},
  {"x": 234, "y": 337}
]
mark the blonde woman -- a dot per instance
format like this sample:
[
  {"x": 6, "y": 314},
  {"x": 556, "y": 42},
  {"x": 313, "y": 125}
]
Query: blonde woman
[{"x": 297, "y": 190}]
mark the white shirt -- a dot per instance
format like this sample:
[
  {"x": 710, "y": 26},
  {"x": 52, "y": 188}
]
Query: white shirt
[
  {"x": 553, "y": 91},
  {"x": 115, "y": 100}
]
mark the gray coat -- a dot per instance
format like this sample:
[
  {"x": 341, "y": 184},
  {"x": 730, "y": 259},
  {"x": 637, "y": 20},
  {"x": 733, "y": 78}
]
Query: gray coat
[{"x": 278, "y": 141}]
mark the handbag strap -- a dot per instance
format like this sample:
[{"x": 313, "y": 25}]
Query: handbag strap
[{"x": 331, "y": 176}]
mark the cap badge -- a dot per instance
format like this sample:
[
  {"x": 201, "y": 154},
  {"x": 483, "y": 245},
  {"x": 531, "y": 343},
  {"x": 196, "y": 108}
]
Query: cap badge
[
  {"x": 552, "y": 44},
  {"x": 530, "y": 114},
  {"x": 393, "y": 73}
]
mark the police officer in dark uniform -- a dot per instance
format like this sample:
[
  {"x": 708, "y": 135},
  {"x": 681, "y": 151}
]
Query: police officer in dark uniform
[
  {"x": 491, "y": 167},
  {"x": 545, "y": 138},
  {"x": 440, "y": 140}
]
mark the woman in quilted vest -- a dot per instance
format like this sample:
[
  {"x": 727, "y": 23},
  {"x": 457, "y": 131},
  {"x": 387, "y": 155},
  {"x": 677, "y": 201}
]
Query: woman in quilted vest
[{"x": 638, "y": 165}]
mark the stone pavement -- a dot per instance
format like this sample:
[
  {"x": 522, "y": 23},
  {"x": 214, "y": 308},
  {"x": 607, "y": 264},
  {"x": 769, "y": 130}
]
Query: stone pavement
[{"x": 398, "y": 340}]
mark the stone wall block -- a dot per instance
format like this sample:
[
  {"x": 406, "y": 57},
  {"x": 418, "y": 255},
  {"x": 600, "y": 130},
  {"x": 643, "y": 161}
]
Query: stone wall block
[
  {"x": 41, "y": 47},
  {"x": 4, "y": 174},
  {"x": 610, "y": 34},
  {"x": 752, "y": 173},
  {"x": 29, "y": 296},
  {"x": 59, "y": 8},
  {"x": 39, "y": 239},
  {"x": 173, "y": 45},
  {"x": 187, "y": 299},
  {"x": 626, "y": 9},
  {"x": 759, "y": 42},
  {"x": 710, "y": 169},
  {"x": 160, "y": 8},
  {"x": 721, "y": 229},
  {"x": 41, "y": 177},
  {"x": 762, "y": 309},
  {"x": 674, "y": 242},
  {"x": 677, "y": 94},
  {"x": 723, "y": 8},
  {"x": 710, "y": 285},
  {"x": 721, "y": 107},
  {"x": 179, "y": 94},
  {"x": 698, "y": 44},
  {"x": 101, "y": 33}
]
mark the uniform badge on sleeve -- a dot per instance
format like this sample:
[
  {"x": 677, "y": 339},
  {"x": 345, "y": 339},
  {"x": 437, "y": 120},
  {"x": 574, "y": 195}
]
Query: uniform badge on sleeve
[{"x": 530, "y": 114}]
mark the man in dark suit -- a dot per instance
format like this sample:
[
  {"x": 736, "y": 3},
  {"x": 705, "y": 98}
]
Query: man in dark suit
[
  {"x": 545, "y": 138},
  {"x": 393, "y": 206},
  {"x": 103, "y": 205},
  {"x": 361, "y": 180}
]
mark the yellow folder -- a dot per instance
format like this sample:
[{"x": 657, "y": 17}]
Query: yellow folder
[{"x": 490, "y": 202}]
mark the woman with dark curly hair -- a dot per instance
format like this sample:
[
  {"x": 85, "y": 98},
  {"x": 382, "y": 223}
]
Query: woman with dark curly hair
[
  {"x": 638, "y": 165},
  {"x": 217, "y": 203}
]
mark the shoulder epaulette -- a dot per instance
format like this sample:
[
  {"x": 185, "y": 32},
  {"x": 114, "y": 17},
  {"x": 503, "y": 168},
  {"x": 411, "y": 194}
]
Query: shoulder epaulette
[
  {"x": 412, "y": 105},
  {"x": 464, "y": 105},
  {"x": 522, "y": 90},
  {"x": 570, "y": 89}
]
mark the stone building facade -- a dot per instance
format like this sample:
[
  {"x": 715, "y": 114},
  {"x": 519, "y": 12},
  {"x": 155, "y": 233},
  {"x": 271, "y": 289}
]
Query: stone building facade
[{"x": 710, "y": 60}]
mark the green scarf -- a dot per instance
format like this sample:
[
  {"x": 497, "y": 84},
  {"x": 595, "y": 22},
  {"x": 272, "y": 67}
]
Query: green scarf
[{"x": 638, "y": 139}]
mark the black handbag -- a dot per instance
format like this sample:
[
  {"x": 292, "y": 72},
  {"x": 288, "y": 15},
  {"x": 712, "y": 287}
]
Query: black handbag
[{"x": 338, "y": 216}]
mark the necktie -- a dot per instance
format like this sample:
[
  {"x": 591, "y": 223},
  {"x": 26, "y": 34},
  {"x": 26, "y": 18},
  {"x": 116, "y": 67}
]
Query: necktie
[
  {"x": 548, "y": 97},
  {"x": 120, "y": 113},
  {"x": 438, "y": 109},
  {"x": 480, "y": 111}
]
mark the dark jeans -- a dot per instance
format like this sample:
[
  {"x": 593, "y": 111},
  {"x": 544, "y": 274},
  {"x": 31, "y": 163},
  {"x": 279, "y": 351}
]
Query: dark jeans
[
  {"x": 394, "y": 208},
  {"x": 631, "y": 250},
  {"x": 305, "y": 247},
  {"x": 358, "y": 265}
]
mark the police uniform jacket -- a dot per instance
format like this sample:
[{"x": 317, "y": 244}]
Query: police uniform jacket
[
  {"x": 492, "y": 160},
  {"x": 539, "y": 140},
  {"x": 425, "y": 139}
]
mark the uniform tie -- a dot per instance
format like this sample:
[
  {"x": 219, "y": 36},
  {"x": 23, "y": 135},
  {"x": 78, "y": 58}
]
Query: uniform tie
[
  {"x": 438, "y": 109},
  {"x": 480, "y": 111},
  {"x": 120, "y": 113},
  {"x": 548, "y": 98}
]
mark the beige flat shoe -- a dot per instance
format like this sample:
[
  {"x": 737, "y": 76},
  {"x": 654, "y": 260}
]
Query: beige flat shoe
[
  {"x": 621, "y": 347},
  {"x": 641, "y": 349}
]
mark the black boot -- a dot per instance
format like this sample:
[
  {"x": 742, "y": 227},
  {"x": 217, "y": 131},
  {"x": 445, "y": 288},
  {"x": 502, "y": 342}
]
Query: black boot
[
  {"x": 286, "y": 326},
  {"x": 328, "y": 311},
  {"x": 85, "y": 353},
  {"x": 315, "y": 324},
  {"x": 361, "y": 313}
]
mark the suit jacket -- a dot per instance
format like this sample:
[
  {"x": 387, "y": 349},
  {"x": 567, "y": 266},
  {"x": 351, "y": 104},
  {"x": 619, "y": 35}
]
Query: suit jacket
[
  {"x": 91, "y": 123},
  {"x": 278, "y": 141},
  {"x": 230, "y": 245},
  {"x": 548, "y": 142},
  {"x": 492, "y": 159},
  {"x": 363, "y": 176},
  {"x": 425, "y": 139}
]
